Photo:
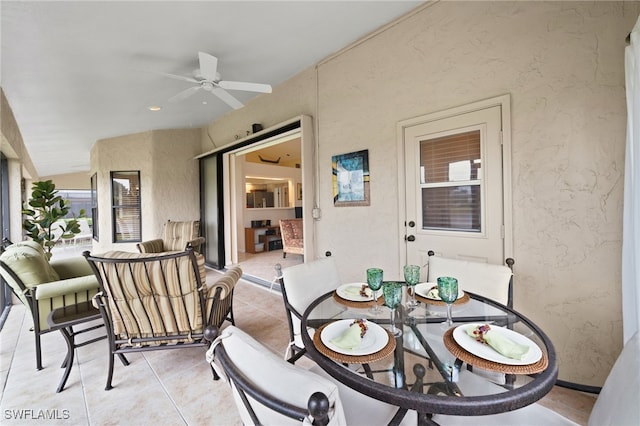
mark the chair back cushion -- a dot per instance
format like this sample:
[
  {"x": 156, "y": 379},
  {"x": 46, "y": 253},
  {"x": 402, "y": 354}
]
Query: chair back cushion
[
  {"x": 156, "y": 297},
  {"x": 270, "y": 373},
  {"x": 306, "y": 282},
  {"x": 176, "y": 235},
  {"x": 619, "y": 399},
  {"x": 485, "y": 279},
  {"x": 28, "y": 261},
  {"x": 292, "y": 233}
]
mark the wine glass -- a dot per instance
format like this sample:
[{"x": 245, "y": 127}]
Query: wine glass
[
  {"x": 392, "y": 292},
  {"x": 374, "y": 281},
  {"x": 411, "y": 277},
  {"x": 448, "y": 292}
]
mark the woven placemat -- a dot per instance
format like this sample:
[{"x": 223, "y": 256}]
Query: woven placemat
[
  {"x": 354, "y": 304},
  {"x": 464, "y": 299},
  {"x": 476, "y": 361},
  {"x": 353, "y": 359}
]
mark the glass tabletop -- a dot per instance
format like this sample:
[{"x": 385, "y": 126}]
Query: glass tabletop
[{"x": 433, "y": 368}]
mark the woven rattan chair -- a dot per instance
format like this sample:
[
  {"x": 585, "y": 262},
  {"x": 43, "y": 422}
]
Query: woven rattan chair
[
  {"x": 152, "y": 302},
  {"x": 176, "y": 236}
]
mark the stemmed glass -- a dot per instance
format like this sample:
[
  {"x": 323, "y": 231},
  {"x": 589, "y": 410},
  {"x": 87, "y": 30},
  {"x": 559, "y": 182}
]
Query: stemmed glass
[
  {"x": 392, "y": 292},
  {"x": 448, "y": 292},
  {"x": 374, "y": 281},
  {"x": 411, "y": 277}
]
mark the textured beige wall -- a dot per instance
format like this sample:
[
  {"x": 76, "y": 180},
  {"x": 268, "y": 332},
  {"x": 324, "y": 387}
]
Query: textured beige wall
[
  {"x": 20, "y": 166},
  {"x": 169, "y": 179},
  {"x": 70, "y": 180},
  {"x": 562, "y": 64}
]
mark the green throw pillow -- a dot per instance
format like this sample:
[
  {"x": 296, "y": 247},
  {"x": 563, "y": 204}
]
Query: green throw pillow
[{"x": 28, "y": 261}]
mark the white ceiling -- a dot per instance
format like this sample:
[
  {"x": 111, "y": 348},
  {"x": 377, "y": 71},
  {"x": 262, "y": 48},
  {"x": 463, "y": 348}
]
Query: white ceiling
[{"x": 77, "y": 72}]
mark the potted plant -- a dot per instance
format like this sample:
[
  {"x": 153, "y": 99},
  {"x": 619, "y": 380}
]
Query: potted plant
[{"x": 44, "y": 215}]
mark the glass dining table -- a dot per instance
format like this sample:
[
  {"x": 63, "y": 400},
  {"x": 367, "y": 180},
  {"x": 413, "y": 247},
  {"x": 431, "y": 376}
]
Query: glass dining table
[{"x": 431, "y": 368}]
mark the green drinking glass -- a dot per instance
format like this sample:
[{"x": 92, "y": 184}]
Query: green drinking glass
[
  {"x": 448, "y": 292},
  {"x": 374, "y": 281},
  {"x": 392, "y": 292},
  {"x": 412, "y": 277}
]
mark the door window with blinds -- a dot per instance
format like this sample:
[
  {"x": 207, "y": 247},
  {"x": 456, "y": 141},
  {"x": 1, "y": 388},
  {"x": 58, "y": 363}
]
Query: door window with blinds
[
  {"x": 450, "y": 182},
  {"x": 125, "y": 205}
]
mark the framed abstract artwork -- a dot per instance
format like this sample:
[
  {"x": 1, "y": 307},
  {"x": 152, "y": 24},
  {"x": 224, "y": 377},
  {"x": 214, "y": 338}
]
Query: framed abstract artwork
[{"x": 351, "y": 179}]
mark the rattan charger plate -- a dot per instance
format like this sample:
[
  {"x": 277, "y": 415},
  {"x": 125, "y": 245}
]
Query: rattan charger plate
[
  {"x": 351, "y": 359},
  {"x": 464, "y": 299},
  {"x": 476, "y": 361},
  {"x": 354, "y": 304}
]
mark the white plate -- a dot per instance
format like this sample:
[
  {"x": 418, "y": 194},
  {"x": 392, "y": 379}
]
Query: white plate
[
  {"x": 487, "y": 352},
  {"x": 422, "y": 289},
  {"x": 375, "y": 339},
  {"x": 342, "y": 292}
]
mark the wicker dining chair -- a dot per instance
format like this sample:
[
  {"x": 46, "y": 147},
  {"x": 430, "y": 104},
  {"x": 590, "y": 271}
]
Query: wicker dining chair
[{"x": 153, "y": 302}]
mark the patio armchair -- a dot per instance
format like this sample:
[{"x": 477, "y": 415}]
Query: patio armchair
[
  {"x": 176, "y": 236},
  {"x": 43, "y": 286},
  {"x": 159, "y": 301},
  {"x": 269, "y": 391},
  {"x": 292, "y": 236}
]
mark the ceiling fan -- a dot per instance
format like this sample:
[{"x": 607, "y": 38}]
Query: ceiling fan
[{"x": 208, "y": 78}]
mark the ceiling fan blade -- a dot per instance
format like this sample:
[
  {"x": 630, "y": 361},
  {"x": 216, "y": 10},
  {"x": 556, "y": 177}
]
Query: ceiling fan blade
[
  {"x": 179, "y": 77},
  {"x": 227, "y": 98},
  {"x": 184, "y": 94},
  {"x": 248, "y": 87},
  {"x": 208, "y": 66}
]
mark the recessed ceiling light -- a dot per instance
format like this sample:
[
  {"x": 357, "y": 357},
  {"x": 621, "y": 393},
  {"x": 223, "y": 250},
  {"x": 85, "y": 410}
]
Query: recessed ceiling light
[{"x": 154, "y": 108}]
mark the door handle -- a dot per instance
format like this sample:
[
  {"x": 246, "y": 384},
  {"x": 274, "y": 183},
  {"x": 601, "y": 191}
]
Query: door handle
[{"x": 410, "y": 238}]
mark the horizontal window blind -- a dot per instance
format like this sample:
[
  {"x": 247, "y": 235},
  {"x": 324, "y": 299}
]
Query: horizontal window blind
[
  {"x": 125, "y": 189},
  {"x": 451, "y": 175}
]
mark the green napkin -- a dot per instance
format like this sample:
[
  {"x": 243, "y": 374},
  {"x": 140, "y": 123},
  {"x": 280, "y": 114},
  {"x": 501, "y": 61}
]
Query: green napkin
[
  {"x": 354, "y": 290},
  {"x": 349, "y": 339},
  {"x": 500, "y": 343}
]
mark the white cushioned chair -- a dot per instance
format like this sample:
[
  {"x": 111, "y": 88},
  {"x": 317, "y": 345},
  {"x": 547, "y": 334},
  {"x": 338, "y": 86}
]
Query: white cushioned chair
[
  {"x": 488, "y": 280},
  {"x": 284, "y": 390},
  {"x": 301, "y": 285},
  {"x": 617, "y": 405}
]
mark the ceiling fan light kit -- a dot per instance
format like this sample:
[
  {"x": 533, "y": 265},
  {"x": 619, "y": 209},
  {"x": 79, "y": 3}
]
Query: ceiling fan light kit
[{"x": 208, "y": 79}]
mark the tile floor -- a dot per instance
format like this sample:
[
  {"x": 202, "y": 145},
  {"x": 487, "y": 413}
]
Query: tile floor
[{"x": 172, "y": 387}]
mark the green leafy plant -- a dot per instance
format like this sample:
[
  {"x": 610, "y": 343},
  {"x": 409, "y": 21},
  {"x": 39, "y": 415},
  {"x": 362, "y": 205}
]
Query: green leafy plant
[{"x": 44, "y": 215}]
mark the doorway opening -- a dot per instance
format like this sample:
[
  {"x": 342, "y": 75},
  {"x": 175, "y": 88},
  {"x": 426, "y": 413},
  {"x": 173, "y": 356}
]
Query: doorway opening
[{"x": 271, "y": 173}]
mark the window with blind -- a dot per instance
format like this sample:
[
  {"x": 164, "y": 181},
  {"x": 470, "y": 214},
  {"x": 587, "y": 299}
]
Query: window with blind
[
  {"x": 450, "y": 182},
  {"x": 125, "y": 204}
]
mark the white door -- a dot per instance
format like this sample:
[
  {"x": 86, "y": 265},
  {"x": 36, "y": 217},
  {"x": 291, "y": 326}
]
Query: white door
[{"x": 454, "y": 187}]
